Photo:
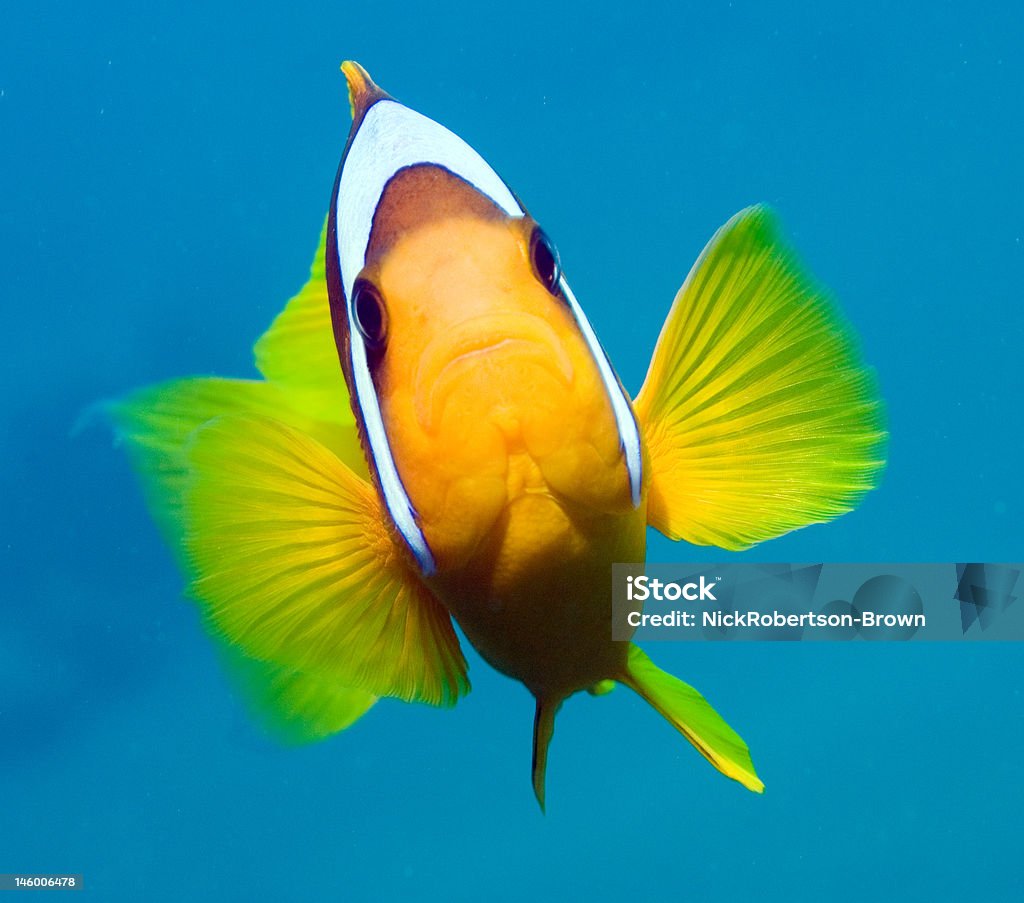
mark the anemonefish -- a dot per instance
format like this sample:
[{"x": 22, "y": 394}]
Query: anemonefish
[{"x": 439, "y": 436}]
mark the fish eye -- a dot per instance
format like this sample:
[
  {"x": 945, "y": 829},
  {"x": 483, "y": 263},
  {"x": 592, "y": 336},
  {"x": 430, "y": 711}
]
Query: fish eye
[
  {"x": 368, "y": 310},
  {"x": 544, "y": 259}
]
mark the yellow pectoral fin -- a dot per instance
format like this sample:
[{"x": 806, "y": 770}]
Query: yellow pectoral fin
[
  {"x": 692, "y": 715},
  {"x": 155, "y": 424},
  {"x": 298, "y": 352},
  {"x": 296, "y": 707},
  {"x": 293, "y": 564},
  {"x": 758, "y": 414}
]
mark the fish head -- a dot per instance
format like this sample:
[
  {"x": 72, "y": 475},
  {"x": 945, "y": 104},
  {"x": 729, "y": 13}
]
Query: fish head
[{"x": 481, "y": 393}]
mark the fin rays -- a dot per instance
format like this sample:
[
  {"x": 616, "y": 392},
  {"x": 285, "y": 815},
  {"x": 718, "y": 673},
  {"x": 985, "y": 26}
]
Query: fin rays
[
  {"x": 346, "y": 617},
  {"x": 758, "y": 413},
  {"x": 691, "y": 714},
  {"x": 260, "y": 487}
]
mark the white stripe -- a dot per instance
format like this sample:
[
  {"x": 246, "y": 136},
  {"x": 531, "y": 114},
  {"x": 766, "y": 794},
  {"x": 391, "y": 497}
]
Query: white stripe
[
  {"x": 392, "y": 137},
  {"x": 395, "y": 496},
  {"x": 629, "y": 435}
]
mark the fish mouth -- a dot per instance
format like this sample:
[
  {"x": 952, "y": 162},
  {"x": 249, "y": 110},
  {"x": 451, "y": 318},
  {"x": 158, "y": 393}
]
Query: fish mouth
[{"x": 490, "y": 354}]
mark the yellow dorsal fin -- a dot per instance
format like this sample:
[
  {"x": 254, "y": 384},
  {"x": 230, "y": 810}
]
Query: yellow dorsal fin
[
  {"x": 758, "y": 413},
  {"x": 293, "y": 564},
  {"x": 298, "y": 354}
]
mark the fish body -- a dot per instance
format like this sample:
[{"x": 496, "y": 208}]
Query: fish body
[
  {"x": 493, "y": 409},
  {"x": 439, "y": 434}
]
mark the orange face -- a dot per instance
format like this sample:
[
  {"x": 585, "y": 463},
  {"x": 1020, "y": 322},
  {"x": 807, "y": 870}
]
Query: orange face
[{"x": 490, "y": 396}]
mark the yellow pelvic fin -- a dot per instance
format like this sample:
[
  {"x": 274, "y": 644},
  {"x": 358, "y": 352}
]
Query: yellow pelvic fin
[
  {"x": 298, "y": 353},
  {"x": 691, "y": 714},
  {"x": 294, "y": 565},
  {"x": 601, "y": 688},
  {"x": 758, "y": 413}
]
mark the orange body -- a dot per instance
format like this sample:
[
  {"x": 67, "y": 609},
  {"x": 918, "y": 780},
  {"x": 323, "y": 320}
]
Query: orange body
[{"x": 503, "y": 435}]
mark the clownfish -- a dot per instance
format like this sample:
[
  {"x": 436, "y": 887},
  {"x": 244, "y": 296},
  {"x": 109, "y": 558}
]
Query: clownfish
[{"x": 439, "y": 438}]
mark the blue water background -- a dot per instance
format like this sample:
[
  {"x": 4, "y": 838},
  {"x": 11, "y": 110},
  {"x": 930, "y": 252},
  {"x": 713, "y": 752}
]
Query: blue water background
[{"x": 164, "y": 171}]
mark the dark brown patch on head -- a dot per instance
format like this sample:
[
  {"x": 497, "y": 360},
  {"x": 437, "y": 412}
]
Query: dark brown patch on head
[{"x": 422, "y": 194}]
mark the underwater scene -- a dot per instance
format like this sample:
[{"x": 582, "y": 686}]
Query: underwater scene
[{"x": 349, "y": 350}]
